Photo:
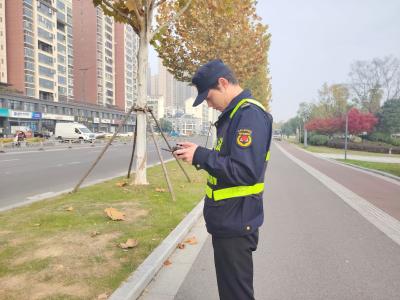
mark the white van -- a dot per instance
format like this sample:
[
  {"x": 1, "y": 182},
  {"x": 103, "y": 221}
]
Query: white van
[{"x": 73, "y": 131}]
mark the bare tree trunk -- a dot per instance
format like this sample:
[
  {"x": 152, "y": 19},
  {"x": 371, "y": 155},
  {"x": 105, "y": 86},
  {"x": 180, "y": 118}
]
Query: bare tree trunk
[{"x": 141, "y": 156}]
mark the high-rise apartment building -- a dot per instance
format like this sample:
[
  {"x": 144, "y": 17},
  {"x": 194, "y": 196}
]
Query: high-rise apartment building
[
  {"x": 174, "y": 91},
  {"x": 94, "y": 71},
  {"x": 39, "y": 48},
  {"x": 3, "y": 45},
  {"x": 65, "y": 56},
  {"x": 166, "y": 85},
  {"x": 105, "y": 58},
  {"x": 126, "y": 41}
]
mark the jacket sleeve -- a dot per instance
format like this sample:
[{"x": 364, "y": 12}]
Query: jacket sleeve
[{"x": 249, "y": 145}]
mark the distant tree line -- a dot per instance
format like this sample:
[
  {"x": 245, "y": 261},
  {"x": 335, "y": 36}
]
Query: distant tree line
[{"x": 370, "y": 98}]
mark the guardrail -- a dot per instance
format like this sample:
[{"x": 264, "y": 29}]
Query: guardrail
[{"x": 52, "y": 144}]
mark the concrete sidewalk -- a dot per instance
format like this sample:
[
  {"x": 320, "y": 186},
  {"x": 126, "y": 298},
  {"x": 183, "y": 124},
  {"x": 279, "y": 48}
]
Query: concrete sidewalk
[
  {"x": 313, "y": 245},
  {"x": 382, "y": 159}
]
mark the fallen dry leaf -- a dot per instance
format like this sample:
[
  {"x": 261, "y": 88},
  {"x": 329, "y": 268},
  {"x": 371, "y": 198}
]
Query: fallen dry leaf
[
  {"x": 94, "y": 233},
  {"x": 182, "y": 185},
  {"x": 69, "y": 208},
  {"x": 191, "y": 240},
  {"x": 181, "y": 246},
  {"x": 130, "y": 243},
  {"x": 161, "y": 190},
  {"x": 102, "y": 296},
  {"x": 114, "y": 214},
  {"x": 121, "y": 184},
  {"x": 37, "y": 224},
  {"x": 167, "y": 262}
]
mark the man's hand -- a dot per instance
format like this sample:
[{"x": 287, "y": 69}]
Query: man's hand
[{"x": 187, "y": 151}]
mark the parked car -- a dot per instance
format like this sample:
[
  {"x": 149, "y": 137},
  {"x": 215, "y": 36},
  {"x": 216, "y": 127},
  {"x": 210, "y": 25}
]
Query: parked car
[
  {"x": 100, "y": 134},
  {"x": 38, "y": 134}
]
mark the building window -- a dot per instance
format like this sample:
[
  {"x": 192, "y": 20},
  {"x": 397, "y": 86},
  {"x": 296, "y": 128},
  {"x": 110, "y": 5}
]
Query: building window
[
  {"x": 45, "y": 59},
  {"x": 28, "y": 52},
  {"x": 44, "y": 34},
  {"x": 47, "y": 84},
  {"x": 44, "y": 9},
  {"x": 62, "y": 69},
  {"x": 62, "y": 80},
  {"x": 46, "y": 71},
  {"x": 45, "y": 47},
  {"x": 29, "y": 78},
  {"x": 29, "y": 66},
  {"x": 61, "y": 48}
]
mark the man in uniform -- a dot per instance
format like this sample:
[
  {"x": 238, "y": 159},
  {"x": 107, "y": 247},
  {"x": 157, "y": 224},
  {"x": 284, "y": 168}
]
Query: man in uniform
[{"x": 233, "y": 208}]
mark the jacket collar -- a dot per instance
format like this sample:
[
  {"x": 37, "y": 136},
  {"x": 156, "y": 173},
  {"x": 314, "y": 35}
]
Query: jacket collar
[{"x": 244, "y": 94}]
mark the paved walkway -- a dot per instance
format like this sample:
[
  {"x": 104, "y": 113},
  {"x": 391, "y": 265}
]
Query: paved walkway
[
  {"x": 312, "y": 245},
  {"x": 383, "y": 159},
  {"x": 378, "y": 190}
]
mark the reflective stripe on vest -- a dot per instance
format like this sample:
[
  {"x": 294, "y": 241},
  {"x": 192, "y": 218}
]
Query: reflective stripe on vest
[
  {"x": 243, "y": 101},
  {"x": 236, "y": 191},
  {"x": 233, "y": 192}
]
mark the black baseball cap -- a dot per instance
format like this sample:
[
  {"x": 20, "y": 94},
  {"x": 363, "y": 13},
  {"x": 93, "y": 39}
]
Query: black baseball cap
[{"x": 207, "y": 76}]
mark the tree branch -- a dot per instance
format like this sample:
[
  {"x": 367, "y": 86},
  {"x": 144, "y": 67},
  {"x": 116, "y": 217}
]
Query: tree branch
[
  {"x": 127, "y": 18},
  {"x": 166, "y": 24},
  {"x": 121, "y": 13}
]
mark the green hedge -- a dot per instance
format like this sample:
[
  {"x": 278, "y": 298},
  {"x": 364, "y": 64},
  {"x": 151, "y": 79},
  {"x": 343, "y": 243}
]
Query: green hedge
[
  {"x": 368, "y": 146},
  {"x": 318, "y": 140},
  {"x": 383, "y": 137}
]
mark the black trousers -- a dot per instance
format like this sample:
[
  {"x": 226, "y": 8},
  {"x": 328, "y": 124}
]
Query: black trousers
[{"x": 233, "y": 259}]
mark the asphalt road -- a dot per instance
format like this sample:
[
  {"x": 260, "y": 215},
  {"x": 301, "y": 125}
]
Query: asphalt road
[
  {"x": 26, "y": 175},
  {"x": 312, "y": 246}
]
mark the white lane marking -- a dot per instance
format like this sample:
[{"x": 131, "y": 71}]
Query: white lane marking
[
  {"x": 74, "y": 163},
  {"x": 381, "y": 220},
  {"x": 9, "y": 160}
]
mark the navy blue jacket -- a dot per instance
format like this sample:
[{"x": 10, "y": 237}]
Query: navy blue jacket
[{"x": 237, "y": 164}]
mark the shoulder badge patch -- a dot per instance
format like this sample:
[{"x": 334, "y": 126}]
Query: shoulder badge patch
[{"x": 244, "y": 138}]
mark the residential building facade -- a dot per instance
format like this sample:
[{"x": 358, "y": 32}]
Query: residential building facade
[
  {"x": 39, "y": 48},
  {"x": 3, "y": 44}
]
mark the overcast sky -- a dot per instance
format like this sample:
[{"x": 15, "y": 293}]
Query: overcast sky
[{"x": 315, "y": 41}]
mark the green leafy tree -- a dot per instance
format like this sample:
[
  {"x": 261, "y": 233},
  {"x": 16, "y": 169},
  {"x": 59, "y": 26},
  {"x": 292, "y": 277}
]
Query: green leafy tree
[
  {"x": 165, "y": 125},
  {"x": 389, "y": 117},
  {"x": 332, "y": 102},
  {"x": 139, "y": 14},
  {"x": 225, "y": 29},
  {"x": 290, "y": 127}
]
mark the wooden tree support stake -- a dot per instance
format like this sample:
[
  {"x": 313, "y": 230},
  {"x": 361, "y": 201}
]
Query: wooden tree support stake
[
  {"x": 169, "y": 146},
  {"x": 162, "y": 163}
]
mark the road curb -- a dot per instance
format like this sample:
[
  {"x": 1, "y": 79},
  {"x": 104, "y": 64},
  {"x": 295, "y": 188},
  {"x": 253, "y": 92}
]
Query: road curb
[
  {"x": 134, "y": 286},
  {"x": 370, "y": 170}
]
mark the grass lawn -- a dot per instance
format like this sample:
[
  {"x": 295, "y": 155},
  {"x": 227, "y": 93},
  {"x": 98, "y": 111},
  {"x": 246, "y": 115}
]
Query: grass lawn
[
  {"x": 385, "y": 167},
  {"x": 67, "y": 248}
]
